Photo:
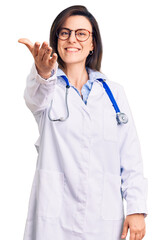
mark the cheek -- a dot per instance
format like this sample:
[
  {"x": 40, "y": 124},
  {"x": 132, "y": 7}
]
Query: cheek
[
  {"x": 59, "y": 48},
  {"x": 86, "y": 49}
]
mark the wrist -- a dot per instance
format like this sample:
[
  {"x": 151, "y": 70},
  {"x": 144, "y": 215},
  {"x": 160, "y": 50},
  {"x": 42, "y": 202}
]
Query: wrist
[{"x": 43, "y": 75}]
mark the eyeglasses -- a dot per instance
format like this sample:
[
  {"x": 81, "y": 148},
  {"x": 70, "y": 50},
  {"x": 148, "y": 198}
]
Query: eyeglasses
[{"x": 81, "y": 34}]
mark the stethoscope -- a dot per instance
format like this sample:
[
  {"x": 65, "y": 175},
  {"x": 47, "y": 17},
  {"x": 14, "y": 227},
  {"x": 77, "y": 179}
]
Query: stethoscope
[{"x": 120, "y": 117}]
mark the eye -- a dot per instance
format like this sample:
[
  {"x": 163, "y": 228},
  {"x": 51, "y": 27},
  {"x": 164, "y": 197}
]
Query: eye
[
  {"x": 63, "y": 33},
  {"x": 81, "y": 34}
]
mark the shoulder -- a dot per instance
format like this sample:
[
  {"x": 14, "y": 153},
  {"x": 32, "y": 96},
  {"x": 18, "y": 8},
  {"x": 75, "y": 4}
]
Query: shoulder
[{"x": 114, "y": 86}]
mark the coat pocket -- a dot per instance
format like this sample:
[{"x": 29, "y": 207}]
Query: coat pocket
[
  {"x": 46, "y": 195},
  {"x": 112, "y": 202},
  {"x": 110, "y": 125},
  {"x": 50, "y": 186}
]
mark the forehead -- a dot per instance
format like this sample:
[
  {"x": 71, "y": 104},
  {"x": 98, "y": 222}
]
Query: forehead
[{"x": 77, "y": 22}]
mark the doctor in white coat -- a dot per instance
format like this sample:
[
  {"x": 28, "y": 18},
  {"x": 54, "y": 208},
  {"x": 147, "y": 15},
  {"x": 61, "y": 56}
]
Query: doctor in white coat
[{"x": 87, "y": 163}]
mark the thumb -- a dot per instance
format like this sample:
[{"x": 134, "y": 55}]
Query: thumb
[
  {"x": 27, "y": 42},
  {"x": 125, "y": 230}
]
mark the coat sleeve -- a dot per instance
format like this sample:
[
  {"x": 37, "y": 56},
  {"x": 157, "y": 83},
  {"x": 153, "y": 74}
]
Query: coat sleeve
[
  {"x": 134, "y": 185},
  {"x": 39, "y": 91}
]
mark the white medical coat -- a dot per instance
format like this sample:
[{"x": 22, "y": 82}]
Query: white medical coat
[{"x": 86, "y": 165}]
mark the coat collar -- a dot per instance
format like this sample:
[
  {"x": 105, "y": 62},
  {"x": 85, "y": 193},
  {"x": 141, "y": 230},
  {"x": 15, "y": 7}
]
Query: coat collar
[{"x": 93, "y": 74}]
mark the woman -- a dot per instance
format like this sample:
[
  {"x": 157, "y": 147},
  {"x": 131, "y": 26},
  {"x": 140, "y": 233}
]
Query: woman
[{"x": 87, "y": 163}]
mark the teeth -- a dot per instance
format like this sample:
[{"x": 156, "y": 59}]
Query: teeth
[{"x": 72, "y": 49}]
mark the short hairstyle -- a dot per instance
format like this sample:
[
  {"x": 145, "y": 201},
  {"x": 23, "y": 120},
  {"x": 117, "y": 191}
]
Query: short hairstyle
[{"x": 93, "y": 61}]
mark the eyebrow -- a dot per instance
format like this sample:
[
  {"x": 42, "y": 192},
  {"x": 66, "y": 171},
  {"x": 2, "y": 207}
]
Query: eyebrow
[{"x": 75, "y": 29}]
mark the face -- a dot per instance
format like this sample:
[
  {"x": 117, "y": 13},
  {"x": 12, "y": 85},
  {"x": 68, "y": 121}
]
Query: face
[{"x": 71, "y": 50}]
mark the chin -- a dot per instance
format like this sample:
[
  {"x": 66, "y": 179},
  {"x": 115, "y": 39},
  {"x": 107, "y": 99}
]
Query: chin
[{"x": 73, "y": 61}]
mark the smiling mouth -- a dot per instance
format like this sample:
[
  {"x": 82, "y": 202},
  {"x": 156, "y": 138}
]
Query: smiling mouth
[{"x": 72, "y": 49}]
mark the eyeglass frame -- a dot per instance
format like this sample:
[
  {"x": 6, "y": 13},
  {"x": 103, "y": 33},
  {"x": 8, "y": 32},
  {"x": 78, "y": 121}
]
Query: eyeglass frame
[{"x": 70, "y": 30}]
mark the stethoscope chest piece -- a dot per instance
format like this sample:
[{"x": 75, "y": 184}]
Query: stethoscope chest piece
[{"x": 121, "y": 118}]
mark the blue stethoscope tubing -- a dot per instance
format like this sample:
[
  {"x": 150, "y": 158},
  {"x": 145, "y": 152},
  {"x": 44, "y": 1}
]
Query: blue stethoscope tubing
[{"x": 120, "y": 117}]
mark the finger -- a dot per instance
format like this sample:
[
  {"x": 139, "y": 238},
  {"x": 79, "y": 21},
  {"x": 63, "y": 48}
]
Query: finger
[
  {"x": 26, "y": 42},
  {"x": 35, "y": 50},
  {"x": 132, "y": 236},
  {"x": 42, "y": 50},
  {"x": 143, "y": 234},
  {"x": 47, "y": 54},
  {"x": 125, "y": 230},
  {"x": 138, "y": 236},
  {"x": 53, "y": 60}
]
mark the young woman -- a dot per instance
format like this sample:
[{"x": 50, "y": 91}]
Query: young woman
[{"x": 87, "y": 163}]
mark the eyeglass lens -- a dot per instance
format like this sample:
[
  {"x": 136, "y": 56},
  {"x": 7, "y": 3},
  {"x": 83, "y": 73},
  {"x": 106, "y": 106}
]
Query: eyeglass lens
[{"x": 81, "y": 34}]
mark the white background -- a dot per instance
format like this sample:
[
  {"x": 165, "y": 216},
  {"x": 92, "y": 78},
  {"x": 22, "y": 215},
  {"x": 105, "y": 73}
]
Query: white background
[{"x": 134, "y": 43}]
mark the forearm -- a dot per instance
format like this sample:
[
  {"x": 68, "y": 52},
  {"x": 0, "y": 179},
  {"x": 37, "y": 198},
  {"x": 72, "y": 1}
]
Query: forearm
[
  {"x": 134, "y": 185},
  {"x": 38, "y": 91}
]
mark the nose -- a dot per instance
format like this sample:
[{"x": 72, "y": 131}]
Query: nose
[{"x": 72, "y": 37}]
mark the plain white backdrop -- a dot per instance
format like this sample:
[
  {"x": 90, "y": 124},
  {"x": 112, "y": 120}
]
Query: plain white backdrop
[{"x": 134, "y": 55}]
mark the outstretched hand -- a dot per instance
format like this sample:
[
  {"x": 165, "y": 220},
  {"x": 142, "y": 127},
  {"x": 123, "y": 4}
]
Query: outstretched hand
[{"x": 42, "y": 56}]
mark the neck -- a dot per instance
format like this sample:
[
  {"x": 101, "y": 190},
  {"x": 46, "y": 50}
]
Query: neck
[{"x": 76, "y": 74}]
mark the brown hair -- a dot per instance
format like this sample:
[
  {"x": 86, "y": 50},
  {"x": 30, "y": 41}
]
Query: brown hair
[{"x": 93, "y": 61}]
